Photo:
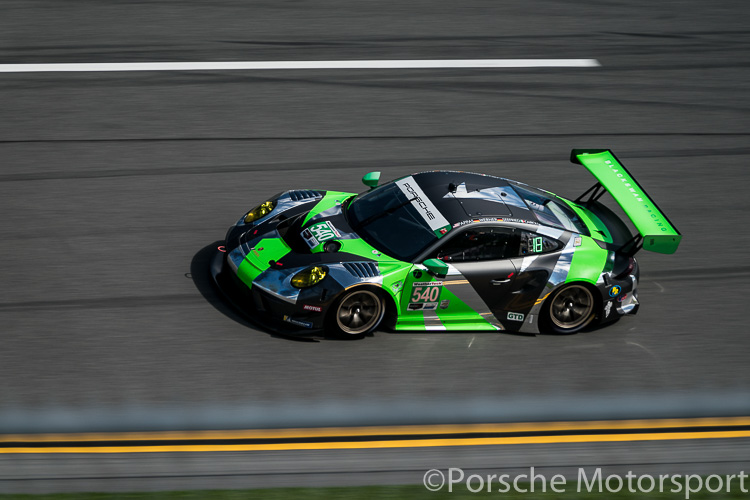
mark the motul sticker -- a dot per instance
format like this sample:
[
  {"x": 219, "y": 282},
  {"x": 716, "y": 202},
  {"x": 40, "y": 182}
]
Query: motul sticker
[{"x": 308, "y": 307}]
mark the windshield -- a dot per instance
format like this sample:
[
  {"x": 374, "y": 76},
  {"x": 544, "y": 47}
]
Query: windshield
[
  {"x": 386, "y": 219},
  {"x": 551, "y": 212}
]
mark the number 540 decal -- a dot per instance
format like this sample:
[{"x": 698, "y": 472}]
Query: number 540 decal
[{"x": 425, "y": 291}]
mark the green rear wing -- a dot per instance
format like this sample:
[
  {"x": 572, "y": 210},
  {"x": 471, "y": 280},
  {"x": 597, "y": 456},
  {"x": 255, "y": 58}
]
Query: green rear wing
[{"x": 656, "y": 232}]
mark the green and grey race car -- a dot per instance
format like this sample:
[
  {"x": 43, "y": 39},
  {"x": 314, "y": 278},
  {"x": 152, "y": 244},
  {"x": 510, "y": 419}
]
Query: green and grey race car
[{"x": 444, "y": 251}]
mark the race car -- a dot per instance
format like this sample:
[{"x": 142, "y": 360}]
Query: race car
[{"x": 444, "y": 251}]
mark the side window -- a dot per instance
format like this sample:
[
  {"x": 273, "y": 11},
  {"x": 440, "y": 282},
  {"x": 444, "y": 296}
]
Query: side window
[
  {"x": 533, "y": 243},
  {"x": 489, "y": 243}
]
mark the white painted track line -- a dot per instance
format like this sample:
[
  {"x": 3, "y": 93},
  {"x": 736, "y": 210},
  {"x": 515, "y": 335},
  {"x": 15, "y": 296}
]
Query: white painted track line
[{"x": 283, "y": 65}]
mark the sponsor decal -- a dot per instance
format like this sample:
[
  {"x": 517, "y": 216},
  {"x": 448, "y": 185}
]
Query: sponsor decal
[
  {"x": 308, "y": 307},
  {"x": 423, "y": 292},
  {"x": 309, "y": 238},
  {"x": 444, "y": 304},
  {"x": 431, "y": 306},
  {"x": 417, "y": 273},
  {"x": 304, "y": 324},
  {"x": 375, "y": 252},
  {"x": 415, "y": 307},
  {"x": 615, "y": 291},
  {"x": 320, "y": 232},
  {"x": 578, "y": 241},
  {"x": 607, "y": 309},
  {"x": 637, "y": 195},
  {"x": 397, "y": 286},
  {"x": 622, "y": 297},
  {"x": 515, "y": 316},
  {"x": 423, "y": 205},
  {"x": 492, "y": 219}
]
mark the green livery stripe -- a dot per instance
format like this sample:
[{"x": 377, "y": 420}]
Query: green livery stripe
[
  {"x": 361, "y": 248},
  {"x": 599, "y": 230},
  {"x": 257, "y": 260},
  {"x": 461, "y": 316},
  {"x": 659, "y": 235},
  {"x": 588, "y": 262},
  {"x": 329, "y": 201},
  {"x": 247, "y": 272},
  {"x": 411, "y": 323}
]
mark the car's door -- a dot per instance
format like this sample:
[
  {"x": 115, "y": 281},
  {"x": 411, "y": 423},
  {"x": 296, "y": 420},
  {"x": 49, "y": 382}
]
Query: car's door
[
  {"x": 423, "y": 304},
  {"x": 478, "y": 282},
  {"x": 537, "y": 257}
]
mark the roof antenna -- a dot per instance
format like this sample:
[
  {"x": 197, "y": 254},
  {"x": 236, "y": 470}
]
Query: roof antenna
[{"x": 452, "y": 188}]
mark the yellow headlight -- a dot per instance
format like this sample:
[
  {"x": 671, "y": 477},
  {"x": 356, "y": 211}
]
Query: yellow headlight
[
  {"x": 309, "y": 277},
  {"x": 260, "y": 211}
]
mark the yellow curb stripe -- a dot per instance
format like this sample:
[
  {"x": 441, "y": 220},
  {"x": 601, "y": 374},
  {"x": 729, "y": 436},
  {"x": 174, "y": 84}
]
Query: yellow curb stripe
[
  {"x": 382, "y": 431},
  {"x": 408, "y": 443},
  {"x": 414, "y": 430}
]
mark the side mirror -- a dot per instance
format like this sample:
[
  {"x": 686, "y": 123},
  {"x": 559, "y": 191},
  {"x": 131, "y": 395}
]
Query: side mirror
[
  {"x": 436, "y": 267},
  {"x": 371, "y": 179}
]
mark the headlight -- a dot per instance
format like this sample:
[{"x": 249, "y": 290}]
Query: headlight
[
  {"x": 260, "y": 211},
  {"x": 309, "y": 277}
]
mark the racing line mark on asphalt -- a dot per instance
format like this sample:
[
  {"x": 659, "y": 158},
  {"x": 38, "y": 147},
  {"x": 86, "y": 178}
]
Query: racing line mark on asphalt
[{"x": 285, "y": 65}]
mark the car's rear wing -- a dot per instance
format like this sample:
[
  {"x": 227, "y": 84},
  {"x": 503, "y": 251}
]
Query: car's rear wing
[{"x": 656, "y": 232}]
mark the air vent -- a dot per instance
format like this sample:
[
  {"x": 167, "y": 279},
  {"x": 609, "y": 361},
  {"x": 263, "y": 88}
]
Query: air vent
[
  {"x": 304, "y": 194},
  {"x": 362, "y": 269}
]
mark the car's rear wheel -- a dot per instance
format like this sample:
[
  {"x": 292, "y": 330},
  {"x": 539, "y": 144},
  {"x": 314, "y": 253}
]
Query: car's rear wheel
[
  {"x": 356, "y": 313},
  {"x": 570, "y": 309}
]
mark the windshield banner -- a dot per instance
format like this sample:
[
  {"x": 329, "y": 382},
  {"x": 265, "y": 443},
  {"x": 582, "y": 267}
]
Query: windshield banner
[{"x": 423, "y": 205}]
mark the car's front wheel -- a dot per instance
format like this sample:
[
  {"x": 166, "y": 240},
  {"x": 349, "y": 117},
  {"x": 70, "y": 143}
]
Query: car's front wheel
[
  {"x": 570, "y": 309},
  {"x": 356, "y": 313}
]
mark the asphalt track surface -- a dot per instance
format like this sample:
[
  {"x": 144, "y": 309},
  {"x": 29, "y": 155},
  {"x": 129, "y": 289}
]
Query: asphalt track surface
[{"x": 115, "y": 186}]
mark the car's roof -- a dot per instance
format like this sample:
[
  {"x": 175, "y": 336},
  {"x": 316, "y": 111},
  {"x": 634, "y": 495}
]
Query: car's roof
[{"x": 462, "y": 196}]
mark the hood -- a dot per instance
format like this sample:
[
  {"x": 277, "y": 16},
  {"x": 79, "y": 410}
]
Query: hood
[{"x": 326, "y": 230}]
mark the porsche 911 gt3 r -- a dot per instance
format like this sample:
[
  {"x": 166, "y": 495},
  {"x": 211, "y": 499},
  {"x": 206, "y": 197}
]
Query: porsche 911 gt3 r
[{"x": 445, "y": 251}]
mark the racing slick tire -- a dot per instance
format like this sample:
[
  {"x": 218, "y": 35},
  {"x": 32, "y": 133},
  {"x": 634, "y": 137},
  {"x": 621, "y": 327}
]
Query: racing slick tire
[
  {"x": 356, "y": 313},
  {"x": 571, "y": 309}
]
